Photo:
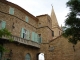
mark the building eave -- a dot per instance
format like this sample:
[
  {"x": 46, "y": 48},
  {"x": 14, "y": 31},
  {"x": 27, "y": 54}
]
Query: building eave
[{"x": 19, "y": 8}]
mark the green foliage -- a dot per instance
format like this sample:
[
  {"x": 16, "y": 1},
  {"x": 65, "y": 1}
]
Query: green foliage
[
  {"x": 72, "y": 22},
  {"x": 74, "y": 5},
  {"x": 5, "y": 32},
  {"x": 2, "y": 48}
]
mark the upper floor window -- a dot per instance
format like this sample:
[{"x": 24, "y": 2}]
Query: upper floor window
[
  {"x": 25, "y": 34},
  {"x": 52, "y": 33},
  {"x": 48, "y": 20},
  {"x": 36, "y": 37},
  {"x": 2, "y": 24},
  {"x": 11, "y": 10},
  {"x": 39, "y": 24},
  {"x": 26, "y": 18},
  {"x": 40, "y": 39}
]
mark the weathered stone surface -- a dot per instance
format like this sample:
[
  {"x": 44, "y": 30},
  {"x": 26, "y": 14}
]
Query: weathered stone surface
[{"x": 54, "y": 48}]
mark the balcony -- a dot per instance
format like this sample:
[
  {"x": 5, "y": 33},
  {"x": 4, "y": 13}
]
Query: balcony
[{"x": 23, "y": 41}]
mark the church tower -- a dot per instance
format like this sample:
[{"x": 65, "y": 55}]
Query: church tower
[
  {"x": 55, "y": 26},
  {"x": 54, "y": 19}
]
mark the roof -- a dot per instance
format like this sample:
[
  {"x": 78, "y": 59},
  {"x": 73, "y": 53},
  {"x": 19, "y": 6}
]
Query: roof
[
  {"x": 19, "y": 8},
  {"x": 42, "y": 15}
]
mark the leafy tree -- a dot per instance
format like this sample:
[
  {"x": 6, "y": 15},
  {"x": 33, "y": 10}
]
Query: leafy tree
[
  {"x": 4, "y": 32},
  {"x": 72, "y": 22}
]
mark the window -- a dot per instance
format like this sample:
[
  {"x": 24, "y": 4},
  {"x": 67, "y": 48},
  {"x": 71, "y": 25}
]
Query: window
[
  {"x": 36, "y": 37},
  {"x": 48, "y": 20},
  {"x": 26, "y": 18},
  {"x": 39, "y": 25},
  {"x": 2, "y": 24},
  {"x": 25, "y": 34},
  {"x": 39, "y": 38},
  {"x": 53, "y": 33},
  {"x": 33, "y": 36},
  {"x": 11, "y": 11},
  {"x": 28, "y": 57}
]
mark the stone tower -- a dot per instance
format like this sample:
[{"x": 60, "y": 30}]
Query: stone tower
[{"x": 55, "y": 26}]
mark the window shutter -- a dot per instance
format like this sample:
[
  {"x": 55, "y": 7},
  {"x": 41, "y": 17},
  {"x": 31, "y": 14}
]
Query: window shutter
[
  {"x": 26, "y": 19},
  {"x": 3, "y": 24},
  {"x": 22, "y": 31},
  {"x": 11, "y": 11},
  {"x": 41, "y": 40},
  {"x": 36, "y": 37},
  {"x": 28, "y": 35},
  {"x": 32, "y": 36}
]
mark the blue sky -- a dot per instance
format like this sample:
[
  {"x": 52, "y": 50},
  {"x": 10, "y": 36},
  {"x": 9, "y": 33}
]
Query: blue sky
[{"x": 39, "y": 7}]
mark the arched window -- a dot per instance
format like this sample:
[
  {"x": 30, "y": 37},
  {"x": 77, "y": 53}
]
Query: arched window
[{"x": 28, "y": 57}]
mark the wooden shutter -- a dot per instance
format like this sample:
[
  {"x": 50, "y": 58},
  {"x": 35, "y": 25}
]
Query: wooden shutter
[
  {"x": 11, "y": 11},
  {"x": 40, "y": 40},
  {"x": 32, "y": 36},
  {"x": 28, "y": 35},
  {"x": 3, "y": 24},
  {"x": 22, "y": 31},
  {"x": 26, "y": 19},
  {"x": 36, "y": 37}
]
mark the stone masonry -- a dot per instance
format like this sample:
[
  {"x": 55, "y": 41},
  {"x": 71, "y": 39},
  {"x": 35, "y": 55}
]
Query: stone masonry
[{"x": 43, "y": 36}]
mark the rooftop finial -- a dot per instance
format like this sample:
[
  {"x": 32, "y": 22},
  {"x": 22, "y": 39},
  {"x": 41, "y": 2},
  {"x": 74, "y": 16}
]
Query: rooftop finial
[{"x": 52, "y": 5}]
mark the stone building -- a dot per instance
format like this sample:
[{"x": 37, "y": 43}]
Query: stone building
[{"x": 33, "y": 35}]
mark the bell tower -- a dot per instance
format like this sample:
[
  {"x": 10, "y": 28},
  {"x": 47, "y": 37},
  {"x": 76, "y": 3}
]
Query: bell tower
[
  {"x": 54, "y": 19},
  {"x": 55, "y": 26}
]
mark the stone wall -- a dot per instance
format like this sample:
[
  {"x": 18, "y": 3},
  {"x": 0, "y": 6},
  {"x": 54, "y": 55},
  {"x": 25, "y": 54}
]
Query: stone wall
[
  {"x": 17, "y": 20},
  {"x": 63, "y": 50},
  {"x": 19, "y": 51},
  {"x": 14, "y": 23},
  {"x": 57, "y": 32},
  {"x": 45, "y": 28},
  {"x": 56, "y": 49}
]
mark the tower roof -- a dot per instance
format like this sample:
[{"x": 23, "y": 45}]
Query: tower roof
[{"x": 54, "y": 19}]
